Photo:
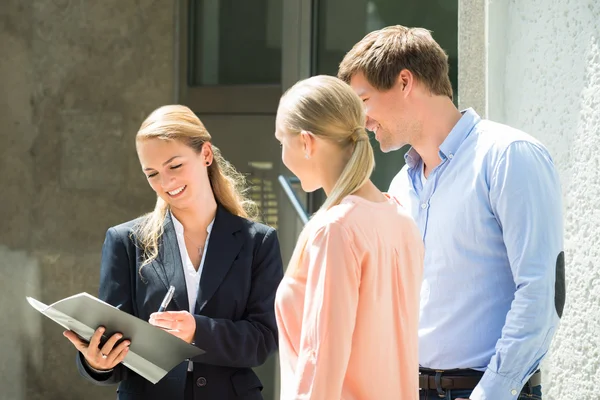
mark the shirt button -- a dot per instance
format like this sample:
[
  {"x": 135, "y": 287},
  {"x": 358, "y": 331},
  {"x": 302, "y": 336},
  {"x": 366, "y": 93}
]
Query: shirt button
[
  {"x": 450, "y": 155},
  {"x": 200, "y": 382},
  {"x": 513, "y": 392},
  {"x": 424, "y": 206}
]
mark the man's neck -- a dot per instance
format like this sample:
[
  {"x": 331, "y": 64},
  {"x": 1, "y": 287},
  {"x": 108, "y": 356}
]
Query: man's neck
[{"x": 439, "y": 117}]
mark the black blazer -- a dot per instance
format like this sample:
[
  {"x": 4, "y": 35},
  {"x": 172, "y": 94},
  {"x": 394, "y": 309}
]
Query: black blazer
[{"x": 235, "y": 317}]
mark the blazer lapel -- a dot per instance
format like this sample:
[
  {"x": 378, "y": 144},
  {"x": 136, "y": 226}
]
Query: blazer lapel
[
  {"x": 169, "y": 265},
  {"x": 223, "y": 248}
]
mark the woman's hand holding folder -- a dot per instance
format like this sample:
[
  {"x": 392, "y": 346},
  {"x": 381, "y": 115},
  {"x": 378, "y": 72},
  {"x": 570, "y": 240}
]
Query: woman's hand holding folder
[{"x": 100, "y": 358}]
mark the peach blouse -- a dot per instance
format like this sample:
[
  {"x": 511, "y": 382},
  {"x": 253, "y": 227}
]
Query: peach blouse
[{"x": 348, "y": 315}]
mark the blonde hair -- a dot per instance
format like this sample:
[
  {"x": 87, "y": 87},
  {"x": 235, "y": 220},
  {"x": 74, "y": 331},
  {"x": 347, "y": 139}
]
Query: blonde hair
[
  {"x": 177, "y": 122},
  {"x": 382, "y": 54},
  {"x": 329, "y": 109}
]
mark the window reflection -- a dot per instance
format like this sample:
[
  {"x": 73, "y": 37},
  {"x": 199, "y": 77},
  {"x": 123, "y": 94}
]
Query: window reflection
[{"x": 235, "y": 42}]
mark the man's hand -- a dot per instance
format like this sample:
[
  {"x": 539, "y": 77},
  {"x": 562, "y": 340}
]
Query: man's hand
[{"x": 178, "y": 323}]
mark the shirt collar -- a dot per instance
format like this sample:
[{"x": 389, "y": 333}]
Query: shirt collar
[
  {"x": 412, "y": 158},
  {"x": 457, "y": 135},
  {"x": 179, "y": 226}
]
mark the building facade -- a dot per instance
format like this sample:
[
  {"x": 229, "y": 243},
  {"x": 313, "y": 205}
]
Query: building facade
[{"x": 78, "y": 77}]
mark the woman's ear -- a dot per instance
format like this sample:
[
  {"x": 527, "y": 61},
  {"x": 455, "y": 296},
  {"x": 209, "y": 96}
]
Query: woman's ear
[
  {"x": 308, "y": 143},
  {"x": 207, "y": 153}
]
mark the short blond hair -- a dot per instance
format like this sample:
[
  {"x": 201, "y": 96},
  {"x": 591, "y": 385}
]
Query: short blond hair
[{"x": 383, "y": 54}]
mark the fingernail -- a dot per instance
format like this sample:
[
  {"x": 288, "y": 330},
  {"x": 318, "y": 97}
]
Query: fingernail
[
  {"x": 101, "y": 329},
  {"x": 119, "y": 336},
  {"x": 128, "y": 344}
]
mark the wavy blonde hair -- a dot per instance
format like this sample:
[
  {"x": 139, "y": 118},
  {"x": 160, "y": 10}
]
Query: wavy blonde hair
[
  {"x": 329, "y": 109},
  {"x": 177, "y": 122}
]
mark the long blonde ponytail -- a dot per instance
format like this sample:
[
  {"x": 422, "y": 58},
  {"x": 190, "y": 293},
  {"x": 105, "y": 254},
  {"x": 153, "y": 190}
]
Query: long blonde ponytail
[{"x": 328, "y": 108}]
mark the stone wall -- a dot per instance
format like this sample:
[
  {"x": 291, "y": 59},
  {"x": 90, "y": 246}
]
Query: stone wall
[
  {"x": 77, "y": 79},
  {"x": 544, "y": 78}
]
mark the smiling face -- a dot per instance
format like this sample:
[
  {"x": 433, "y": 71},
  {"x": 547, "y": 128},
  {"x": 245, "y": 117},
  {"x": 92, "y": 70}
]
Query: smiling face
[
  {"x": 176, "y": 172},
  {"x": 389, "y": 114}
]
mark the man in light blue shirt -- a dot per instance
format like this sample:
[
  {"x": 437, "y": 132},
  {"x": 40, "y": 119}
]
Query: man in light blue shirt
[{"x": 487, "y": 200}]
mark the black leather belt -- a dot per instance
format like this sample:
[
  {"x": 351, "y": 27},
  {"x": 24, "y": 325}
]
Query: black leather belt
[{"x": 427, "y": 382}]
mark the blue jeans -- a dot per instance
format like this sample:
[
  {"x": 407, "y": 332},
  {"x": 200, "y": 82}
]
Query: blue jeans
[{"x": 535, "y": 393}]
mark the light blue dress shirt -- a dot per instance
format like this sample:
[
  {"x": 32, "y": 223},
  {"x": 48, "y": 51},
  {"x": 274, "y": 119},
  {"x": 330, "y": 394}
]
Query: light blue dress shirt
[{"x": 493, "y": 284}]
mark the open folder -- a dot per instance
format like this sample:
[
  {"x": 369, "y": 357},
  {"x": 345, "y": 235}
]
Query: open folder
[{"x": 153, "y": 352}]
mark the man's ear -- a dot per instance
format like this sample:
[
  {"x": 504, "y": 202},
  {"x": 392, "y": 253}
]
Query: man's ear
[{"x": 405, "y": 81}]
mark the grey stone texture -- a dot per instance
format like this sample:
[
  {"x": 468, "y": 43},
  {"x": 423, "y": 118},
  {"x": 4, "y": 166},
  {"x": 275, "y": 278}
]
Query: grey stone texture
[
  {"x": 472, "y": 50},
  {"x": 550, "y": 77},
  {"x": 77, "y": 78},
  {"x": 538, "y": 70}
]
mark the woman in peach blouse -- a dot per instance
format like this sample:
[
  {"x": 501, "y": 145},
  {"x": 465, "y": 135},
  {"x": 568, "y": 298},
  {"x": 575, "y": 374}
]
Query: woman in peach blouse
[{"x": 347, "y": 309}]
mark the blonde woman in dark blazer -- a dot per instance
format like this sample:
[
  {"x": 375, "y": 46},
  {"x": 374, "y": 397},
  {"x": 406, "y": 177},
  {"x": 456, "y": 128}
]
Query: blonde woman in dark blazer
[{"x": 201, "y": 239}]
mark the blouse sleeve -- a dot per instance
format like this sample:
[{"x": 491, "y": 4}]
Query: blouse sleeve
[{"x": 329, "y": 314}]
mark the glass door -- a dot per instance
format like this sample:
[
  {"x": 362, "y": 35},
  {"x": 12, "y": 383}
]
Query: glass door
[{"x": 236, "y": 58}]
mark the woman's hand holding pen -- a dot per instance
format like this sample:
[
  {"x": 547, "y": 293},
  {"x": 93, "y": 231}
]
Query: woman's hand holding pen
[
  {"x": 101, "y": 359},
  {"x": 178, "y": 323}
]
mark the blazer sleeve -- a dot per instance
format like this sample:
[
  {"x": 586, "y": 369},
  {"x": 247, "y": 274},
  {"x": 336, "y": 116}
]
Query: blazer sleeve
[
  {"x": 250, "y": 341},
  {"x": 115, "y": 289}
]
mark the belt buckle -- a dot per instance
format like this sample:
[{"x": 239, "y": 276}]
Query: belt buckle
[{"x": 438, "y": 383}]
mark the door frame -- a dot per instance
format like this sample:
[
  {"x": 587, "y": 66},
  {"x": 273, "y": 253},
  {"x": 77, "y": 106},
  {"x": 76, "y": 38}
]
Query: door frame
[
  {"x": 296, "y": 63},
  {"x": 245, "y": 99}
]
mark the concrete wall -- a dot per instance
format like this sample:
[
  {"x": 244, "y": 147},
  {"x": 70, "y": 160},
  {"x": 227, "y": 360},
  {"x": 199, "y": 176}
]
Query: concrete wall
[
  {"x": 544, "y": 77},
  {"x": 77, "y": 79}
]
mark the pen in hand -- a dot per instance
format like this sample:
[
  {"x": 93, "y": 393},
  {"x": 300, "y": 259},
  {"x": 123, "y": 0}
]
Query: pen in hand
[
  {"x": 178, "y": 323},
  {"x": 167, "y": 299}
]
